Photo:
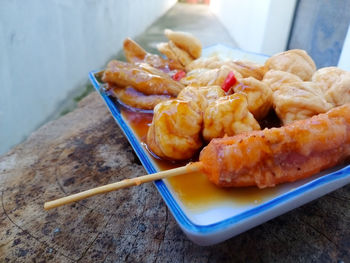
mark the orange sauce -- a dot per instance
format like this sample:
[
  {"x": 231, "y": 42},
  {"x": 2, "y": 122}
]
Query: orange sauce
[{"x": 194, "y": 190}]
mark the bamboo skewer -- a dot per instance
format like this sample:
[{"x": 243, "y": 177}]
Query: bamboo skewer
[{"x": 190, "y": 168}]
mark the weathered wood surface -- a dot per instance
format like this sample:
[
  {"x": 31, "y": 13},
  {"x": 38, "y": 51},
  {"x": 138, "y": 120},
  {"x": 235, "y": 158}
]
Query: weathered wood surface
[{"x": 85, "y": 149}]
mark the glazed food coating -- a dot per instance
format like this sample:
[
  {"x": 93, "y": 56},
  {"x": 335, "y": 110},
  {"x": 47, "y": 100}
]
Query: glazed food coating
[
  {"x": 276, "y": 78},
  {"x": 212, "y": 62},
  {"x": 295, "y": 61},
  {"x": 335, "y": 83},
  {"x": 273, "y": 156},
  {"x": 207, "y": 77},
  {"x": 228, "y": 115},
  {"x": 299, "y": 101},
  {"x": 247, "y": 68},
  {"x": 200, "y": 97},
  {"x": 175, "y": 130},
  {"x": 181, "y": 54},
  {"x": 142, "y": 77},
  {"x": 134, "y": 53},
  {"x": 136, "y": 99},
  {"x": 243, "y": 69},
  {"x": 259, "y": 96}
]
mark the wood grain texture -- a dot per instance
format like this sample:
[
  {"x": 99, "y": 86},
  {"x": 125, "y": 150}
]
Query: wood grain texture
[{"x": 85, "y": 149}]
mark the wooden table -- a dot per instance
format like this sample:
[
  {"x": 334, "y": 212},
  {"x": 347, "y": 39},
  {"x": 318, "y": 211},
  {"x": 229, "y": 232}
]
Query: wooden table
[{"x": 85, "y": 149}]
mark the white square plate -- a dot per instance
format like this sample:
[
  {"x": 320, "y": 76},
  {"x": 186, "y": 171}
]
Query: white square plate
[{"x": 232, "y": 213}]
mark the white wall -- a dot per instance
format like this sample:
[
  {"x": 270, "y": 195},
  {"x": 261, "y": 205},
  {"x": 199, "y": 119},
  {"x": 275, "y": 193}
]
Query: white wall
[
  {"x": 49, "y": 46},
  {"x": 260, "y": 26}
]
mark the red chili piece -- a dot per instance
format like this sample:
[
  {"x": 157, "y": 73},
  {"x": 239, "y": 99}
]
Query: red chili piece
[
  {"x": 229, "y": 81},
  {"x": 179, "y": 75}
]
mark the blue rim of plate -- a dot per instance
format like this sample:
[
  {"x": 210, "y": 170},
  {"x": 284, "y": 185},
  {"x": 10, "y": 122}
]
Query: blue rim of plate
[{"x": 169, "y": 199}]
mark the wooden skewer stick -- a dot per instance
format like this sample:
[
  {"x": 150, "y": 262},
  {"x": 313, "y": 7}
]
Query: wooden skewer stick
[{"x": 192, "y": 167}]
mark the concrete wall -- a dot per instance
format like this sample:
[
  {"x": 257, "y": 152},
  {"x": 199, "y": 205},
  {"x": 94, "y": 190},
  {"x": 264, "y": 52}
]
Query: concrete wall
[
  {"x": 48, "y": 48},
  {"x": 320, "y": 28},
  {"x": 260, "y": 26},
  {"x": 344, "y": 59}
]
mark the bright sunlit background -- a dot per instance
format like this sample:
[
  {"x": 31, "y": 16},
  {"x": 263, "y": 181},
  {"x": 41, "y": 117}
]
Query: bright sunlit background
[{"x": 48, "y": 47}]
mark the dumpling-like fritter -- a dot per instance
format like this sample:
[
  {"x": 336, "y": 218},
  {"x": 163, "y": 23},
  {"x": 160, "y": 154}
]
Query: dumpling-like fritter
[
  {"x": 295, "y": 61},
  {"x": 175, "y": 130},
  {"x": 136, "y": 99},
  {"x": 185, "y": 41},
  {"x": 259, "y": 96},
  {"x": 203, "y": 62},
  {"x": 335, "y": 83},
  {"x": 208, "y": 77},
  {"x": 201, "y": 97},
  {"x": 299, "y": 101},
  {"x": 228, "y": 115},
  {"x": 248, "y": 69},
  {"x": 174, "y": 53},
  {"x": 276, "y": 78}
]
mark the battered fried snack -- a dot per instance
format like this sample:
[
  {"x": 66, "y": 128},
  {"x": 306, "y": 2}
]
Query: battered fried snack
[
  {"x": 181, "y": 55},
  {"x": 273, "y": 156},
  {"x": 299, "y": 101},
  {"x": 175, "y": 130},
  {"x": 212, "y": 62},
  {"x": 228, "y": 115},
  {"x": 248, "y": 69},
  {"x": 276, "y": 78},
  {"x": 295, "y": 61},
  {"x": 165, "y": 49},
  {"x": 142, "y": 77},
  {"x": 185, "y": 41},
  {"x": 259, "y": 96},
  {"x": 207, "y": 77},
  {"x": 136, "y": 99},
  {"x": 201, "y": 97},
  {"x": 335, "y": 83},
  {"x": 134, "y": 53}
]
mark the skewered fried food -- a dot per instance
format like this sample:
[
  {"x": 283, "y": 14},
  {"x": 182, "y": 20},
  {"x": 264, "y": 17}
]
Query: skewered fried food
[
  {"x": 259, "y": 96},
  {"x": 185, "y": 41},
  {"x": 273, "y": 156},
  {"x": 276, "y": 78},
  {"x": 228, "y": 115},
  {"x": 259, "y": 158},
  {"x": 299, "y": 101},
  {"x": 335, "y": 83},
  {"x": 175, "y": 130},
  {"x": 134, "y": 53},
  {"x": 142, "y": 78},
  {"x": 136, "y": 99},
  {"x": 295, "y": 61}
]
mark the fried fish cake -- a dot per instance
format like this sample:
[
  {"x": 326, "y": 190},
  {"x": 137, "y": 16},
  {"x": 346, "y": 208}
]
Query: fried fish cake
[
  {"x": 259, "y": 96},
  {"x": 185, "y": 41},
  {"x": 175, "y": 130},
  {"x": 228, "y": 115},
  {"x": 295, "y": 61},
  {"x": 276, "y": 78},
  {"x": 335, "y": 83},
  {"x": 299, "y": 101}
]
